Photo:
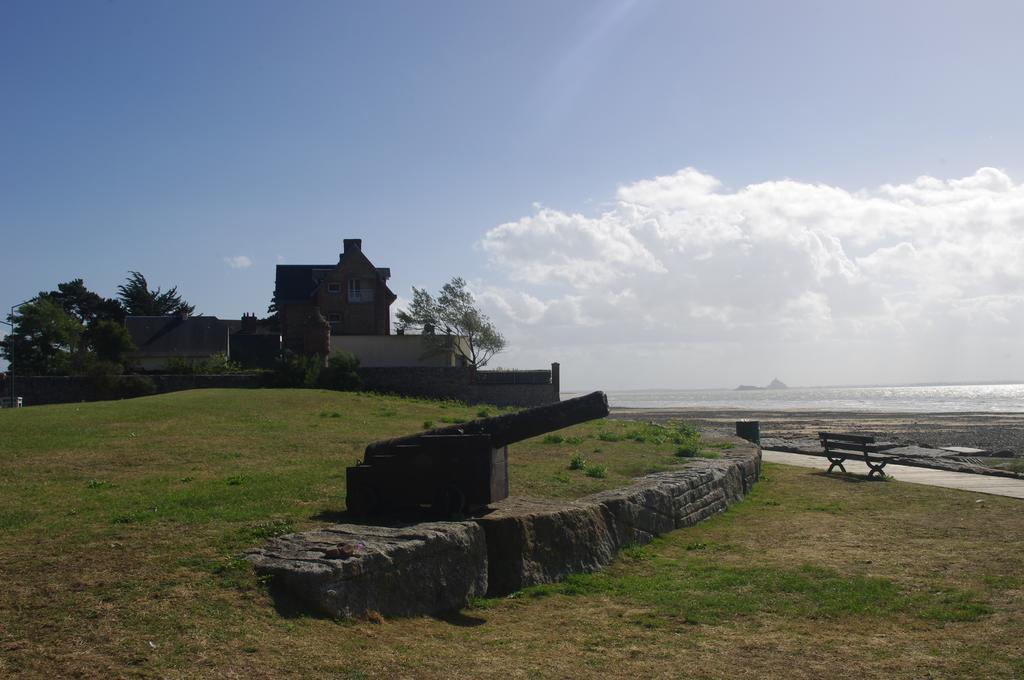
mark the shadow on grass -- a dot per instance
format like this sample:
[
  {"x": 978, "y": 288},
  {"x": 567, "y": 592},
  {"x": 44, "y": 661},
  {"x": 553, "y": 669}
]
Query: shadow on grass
[
  {"x": 400, "y": 519},
  {"x": 848, "y": 477},
  {"x": 457, "y": 617}
]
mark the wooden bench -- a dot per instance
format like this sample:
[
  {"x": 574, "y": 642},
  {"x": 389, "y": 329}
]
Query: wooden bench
[{"x": 842, "y": 447}]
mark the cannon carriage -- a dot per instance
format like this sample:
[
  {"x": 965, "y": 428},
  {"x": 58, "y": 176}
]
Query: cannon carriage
[{"x": 458, "y": 468}]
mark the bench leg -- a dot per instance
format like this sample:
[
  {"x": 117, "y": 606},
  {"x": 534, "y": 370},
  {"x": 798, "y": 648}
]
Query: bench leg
[
  {"x": 877, "y": 468},
  {"x": 836, "y": 463}
]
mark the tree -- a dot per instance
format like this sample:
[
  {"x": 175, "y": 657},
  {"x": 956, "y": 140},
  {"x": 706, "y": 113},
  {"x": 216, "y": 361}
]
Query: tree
[
  {"x": 42, "y": 340},
  {"x": 139, "y": 300},
  {"x": 453, "y": 315},
  {"x": 81, "y": 303},
  {"x": 109, "y": 340}
]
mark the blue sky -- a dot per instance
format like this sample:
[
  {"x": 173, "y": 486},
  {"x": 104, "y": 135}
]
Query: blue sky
[{"x": 170, "y": 137}]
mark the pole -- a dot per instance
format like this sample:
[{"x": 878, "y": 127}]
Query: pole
[{"x": 10, "y": 363}]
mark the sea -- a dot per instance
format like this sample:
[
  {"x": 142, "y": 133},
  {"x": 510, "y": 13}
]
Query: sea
[{"x": 997, "y": 398}]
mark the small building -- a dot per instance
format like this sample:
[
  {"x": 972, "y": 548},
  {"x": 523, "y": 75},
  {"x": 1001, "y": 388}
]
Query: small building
[
  {"x": 159, "y": 339},
  {"x": 162, "y": 338},
  {"x": 352, "y": 296}
]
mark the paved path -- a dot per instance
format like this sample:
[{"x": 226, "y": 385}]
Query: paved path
[{"x": 997, "y": 486}]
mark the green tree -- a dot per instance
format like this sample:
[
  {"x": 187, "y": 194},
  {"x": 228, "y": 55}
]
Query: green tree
[
  {"x": 81, "y": 303},
  {"x": 109, "y": 340},
  {"x": 452, "y": 316},
  {"x": 139, "y": 300},
  {"x": 43, "y": 339}
]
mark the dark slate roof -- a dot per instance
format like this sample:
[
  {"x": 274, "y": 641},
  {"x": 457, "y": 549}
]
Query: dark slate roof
[
  {"x": 166, "y": 336},
  {"x": 297, "y": 282}
]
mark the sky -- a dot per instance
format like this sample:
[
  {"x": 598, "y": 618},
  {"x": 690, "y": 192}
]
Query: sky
[{"x": 656, "y": 194}]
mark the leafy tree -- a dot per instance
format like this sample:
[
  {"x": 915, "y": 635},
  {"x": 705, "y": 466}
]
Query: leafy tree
[
  {"x": 109, "y": 340},
  {"x": 42, "y": 340},
  {"x": 139, "y": 300},
  {"x": 81, "y": 303},
  {"x": 449, "y": 317}
]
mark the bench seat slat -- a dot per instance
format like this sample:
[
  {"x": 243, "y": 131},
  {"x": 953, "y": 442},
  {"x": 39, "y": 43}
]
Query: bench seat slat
[{"x": 858, "y": 438}]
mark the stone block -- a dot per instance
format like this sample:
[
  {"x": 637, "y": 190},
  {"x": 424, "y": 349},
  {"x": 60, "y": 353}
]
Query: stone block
[
  {"x": 345, "y": 570},
  {"x": 531, "y": 541}
]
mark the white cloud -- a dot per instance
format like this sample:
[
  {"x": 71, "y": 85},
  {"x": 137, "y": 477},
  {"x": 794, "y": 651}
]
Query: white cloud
[
  {"x": 238, "y": 261},
  {"x": 677, "y": 259}
]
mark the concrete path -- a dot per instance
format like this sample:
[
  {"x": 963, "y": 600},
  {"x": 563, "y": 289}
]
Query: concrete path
[{"x": 997, "y": 486}]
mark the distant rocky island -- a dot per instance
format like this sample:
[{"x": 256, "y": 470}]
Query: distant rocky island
[{"x": 775, "y": 384}]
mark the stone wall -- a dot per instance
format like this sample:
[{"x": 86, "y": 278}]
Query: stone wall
[
  {"x": 432, "y": 382},
  {"x": 435, "y": 382},
  {"x": 61, "y": 389},
  {"x": 346, "y": 569}
]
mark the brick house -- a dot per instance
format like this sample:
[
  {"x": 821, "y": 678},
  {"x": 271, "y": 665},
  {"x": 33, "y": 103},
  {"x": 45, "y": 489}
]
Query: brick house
[{"x": 352, "y": 297}]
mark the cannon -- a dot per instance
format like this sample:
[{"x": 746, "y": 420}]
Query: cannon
[{"x": 457, "y": 468}]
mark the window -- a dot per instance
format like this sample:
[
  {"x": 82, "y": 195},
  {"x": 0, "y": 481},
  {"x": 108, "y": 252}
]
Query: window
[
  {"x": 333, "y": 287},
  {"x": 334, "y": 318},
  {"x": 357, "y": 293}
]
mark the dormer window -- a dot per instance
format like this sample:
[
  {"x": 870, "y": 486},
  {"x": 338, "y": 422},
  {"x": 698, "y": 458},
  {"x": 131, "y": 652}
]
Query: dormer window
[{"x": 333, "y": 287}]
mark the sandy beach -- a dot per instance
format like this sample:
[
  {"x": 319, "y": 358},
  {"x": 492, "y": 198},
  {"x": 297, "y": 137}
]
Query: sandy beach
[{"x": 998, "y": 432}]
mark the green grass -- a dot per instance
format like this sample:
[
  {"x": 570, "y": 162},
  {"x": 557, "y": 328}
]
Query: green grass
[
  {"x": 121, "y": 524},
  {"x": 704, "y": 590}
]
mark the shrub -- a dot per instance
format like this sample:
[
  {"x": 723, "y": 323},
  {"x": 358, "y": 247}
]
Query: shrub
[
  {"x": 577, "y": 462},
  {"x": 688, "y": 449},
  {"x": 216, "y": 364},
  {"x": 597, "y": 471},
  {"x": 295, "y": 370},
  {"x": 108, "y": 383},
  {"x": 341, "y": 373},
  {"x": 131, "y": 386},
  {"x": 554, "y": 439}
]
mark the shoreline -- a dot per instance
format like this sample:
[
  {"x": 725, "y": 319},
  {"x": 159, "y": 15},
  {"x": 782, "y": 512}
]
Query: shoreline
[{"x": 999, "y": 432}]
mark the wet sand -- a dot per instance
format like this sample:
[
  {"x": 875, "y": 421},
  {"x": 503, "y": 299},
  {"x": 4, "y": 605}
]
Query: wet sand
[{"x": 998, "y": 432}]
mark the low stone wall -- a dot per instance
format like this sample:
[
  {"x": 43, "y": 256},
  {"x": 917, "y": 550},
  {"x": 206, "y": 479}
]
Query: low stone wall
[
  {"x": 427, "y": 382},
  {"x": 528, "y": 542},
  {"x": 455, "y": 383},
  {"x": 62, "y": 389}
]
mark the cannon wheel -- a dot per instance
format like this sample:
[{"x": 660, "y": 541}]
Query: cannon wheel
[
  {"x": 449, "y": 500},
  {"x": 362, "y": 502}
]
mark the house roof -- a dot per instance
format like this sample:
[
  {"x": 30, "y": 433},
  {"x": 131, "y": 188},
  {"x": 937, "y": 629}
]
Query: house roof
[
  {"x": 297, "y": 282},
  {"x": 167, "y": 336}
]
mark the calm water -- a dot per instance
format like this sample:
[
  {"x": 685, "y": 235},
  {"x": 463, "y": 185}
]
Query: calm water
[{"x": 924, "y": 399}]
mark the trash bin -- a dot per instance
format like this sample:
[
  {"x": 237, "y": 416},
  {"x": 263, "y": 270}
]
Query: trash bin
[{"x": 749, "y": 430}]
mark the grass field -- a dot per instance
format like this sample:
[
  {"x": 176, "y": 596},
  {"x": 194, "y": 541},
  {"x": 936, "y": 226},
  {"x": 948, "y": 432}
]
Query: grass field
[{"x": 121, "y": 525}]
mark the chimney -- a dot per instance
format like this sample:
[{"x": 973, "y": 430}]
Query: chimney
[
  {"x": 354, "y": 245},
  {"x": 248, "y": 323}
]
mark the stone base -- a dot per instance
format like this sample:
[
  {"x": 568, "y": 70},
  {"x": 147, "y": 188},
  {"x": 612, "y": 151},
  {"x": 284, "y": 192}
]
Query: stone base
[
  {"x": 531, "y": 541},
  {"x": 345, "y": 570}
]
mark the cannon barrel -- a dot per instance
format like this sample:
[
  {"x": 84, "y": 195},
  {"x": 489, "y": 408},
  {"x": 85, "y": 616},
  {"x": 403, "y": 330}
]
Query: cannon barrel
[{"x": 514, "y": 427}]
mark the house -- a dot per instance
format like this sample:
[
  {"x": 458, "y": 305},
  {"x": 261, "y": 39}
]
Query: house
[
  {"x": 162, "y": 338},
  {"x": 350, "y": 297},
  {"x": 159, "y": 339}
]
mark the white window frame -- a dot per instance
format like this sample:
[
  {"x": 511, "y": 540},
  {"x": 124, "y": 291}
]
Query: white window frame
[{"x": 355, "y": 290}]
